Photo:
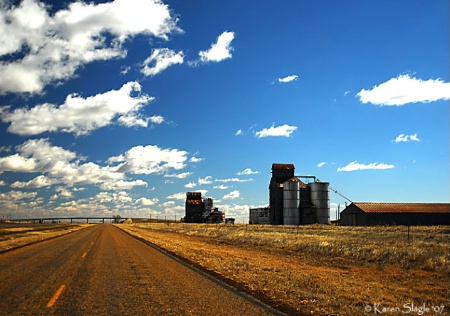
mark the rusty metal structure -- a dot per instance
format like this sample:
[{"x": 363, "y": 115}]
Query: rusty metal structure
[
  {"x": 194, "y": 207},
  {"x": 198, "y": 210},
  {"x": 370, "y": 213}
]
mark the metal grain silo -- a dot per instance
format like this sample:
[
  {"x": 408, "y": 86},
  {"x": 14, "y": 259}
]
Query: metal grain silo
[
  {"x": 209, "y": 204},
  {"x": 320, "y": 198},
  {"x": 291, "y": 202}
]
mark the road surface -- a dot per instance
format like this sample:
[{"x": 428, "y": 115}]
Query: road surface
[{"x": 103, "y": 271}]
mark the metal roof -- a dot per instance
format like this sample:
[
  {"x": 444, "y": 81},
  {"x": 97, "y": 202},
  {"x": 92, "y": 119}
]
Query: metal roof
[
  {"x": 282, "y": 166},
  {"x": 296, "y": 179},
  {"x": 376, "y": 207}
]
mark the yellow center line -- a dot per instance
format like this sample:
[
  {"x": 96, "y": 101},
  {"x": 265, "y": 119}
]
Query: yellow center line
[
  {"x": 84, "y": 255},
  {"x": 55, "y": 296}
]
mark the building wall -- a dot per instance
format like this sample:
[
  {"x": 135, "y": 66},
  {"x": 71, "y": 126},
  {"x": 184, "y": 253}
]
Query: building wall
[
  {"x": 259, "y": 215},
  {"x": 353, "y": 216},
  {"x": 194, "y": 213},
  {"x": 408, "y": 218}
]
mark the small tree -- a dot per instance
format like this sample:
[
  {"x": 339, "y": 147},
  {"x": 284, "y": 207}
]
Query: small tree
[{"x": 116, "y": 219}]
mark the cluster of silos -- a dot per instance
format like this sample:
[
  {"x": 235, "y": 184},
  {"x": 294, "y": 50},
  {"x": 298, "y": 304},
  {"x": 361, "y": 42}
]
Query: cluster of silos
[
  {"x": 318, "y": 202},
  {"x": 293, "y": 202}
]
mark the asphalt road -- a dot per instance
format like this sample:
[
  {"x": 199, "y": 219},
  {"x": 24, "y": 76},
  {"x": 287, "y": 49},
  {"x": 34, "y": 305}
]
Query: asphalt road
[{"x": 104, "y": 271}]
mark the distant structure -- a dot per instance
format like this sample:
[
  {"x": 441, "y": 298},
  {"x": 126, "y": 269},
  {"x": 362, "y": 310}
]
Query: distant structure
[
  {"x": 259, "y": 215},
  {"x": 200, "y": 210},
  {"x": 280, "y": 174},
  {"x": 366, "y": 214},
  {"x": 293, "y": 202}
]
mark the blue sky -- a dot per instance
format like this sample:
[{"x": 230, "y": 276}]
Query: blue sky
[{"x": 121, "y": 107}]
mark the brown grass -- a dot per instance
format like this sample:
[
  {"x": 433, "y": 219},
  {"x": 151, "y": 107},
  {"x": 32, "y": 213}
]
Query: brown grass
[
  {"x": 15, "y": 235},
  {"x": 317, "y": 269}
]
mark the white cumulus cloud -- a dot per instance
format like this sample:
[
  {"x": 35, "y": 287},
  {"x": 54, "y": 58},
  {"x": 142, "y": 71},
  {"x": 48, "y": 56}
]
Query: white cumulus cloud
[
  {"x": 405, "y": 89},
  {"x": 196, "y": 159},
  {"x": 182, "y": 175},
  {"x": 146, "y": 202},
  {"x": 178, "y": 196},
  {"x": 233, "y": 180},
  {"x": 79, "y": 115},
  {"x": 354, "y": 166},
  {"x": 221, "y": 187},
  {"x": 247, "y": 171},
  {"x": 205, "y": 180},
  {"x": 38, "y": 182},
  {"x": 161, "y": 59},
  {"x": 288, "y": 79},
  {"x": 149, "y": 159},
  {"x": 219, "y": 50},
  {"x": 58, "y": 165},
  {"x": 37, "y": 156},
  {"x": 55, "y": 45},
  {"x": 121, "y": 185},
  {"x": 406, "y": 138},
  {"x": 232, "y": 195},
  {"x": 156, "y": 119},
  {"x": 190, "y": 185},
  {"x": 284, "y": 130}
]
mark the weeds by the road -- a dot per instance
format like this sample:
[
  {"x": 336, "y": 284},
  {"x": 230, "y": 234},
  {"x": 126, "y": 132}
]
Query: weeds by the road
[
  {"x": 424, "y": 248},
  {"x": 16, "y": 235},
  {"x": 318, "y": 269}
]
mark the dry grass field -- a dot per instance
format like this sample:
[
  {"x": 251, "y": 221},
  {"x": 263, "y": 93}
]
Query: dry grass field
[
  {"x": 318, "y": 269},
  {"x": 14, "y": 235}
]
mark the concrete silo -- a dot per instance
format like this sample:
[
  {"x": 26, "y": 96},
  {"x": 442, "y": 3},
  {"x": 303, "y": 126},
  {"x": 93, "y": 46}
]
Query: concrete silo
[
  {"x": 320, "y": 198},
  {"x": 291, "y": 202},
  {"x": 280, "y": 174}
]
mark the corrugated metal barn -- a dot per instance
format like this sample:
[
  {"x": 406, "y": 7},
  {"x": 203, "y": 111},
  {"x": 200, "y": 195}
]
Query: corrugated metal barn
[{"x": 366, "y": 214}]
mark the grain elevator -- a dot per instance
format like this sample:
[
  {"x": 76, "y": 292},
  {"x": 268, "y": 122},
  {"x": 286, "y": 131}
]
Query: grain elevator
[
  {"x": 200, "y": 210},
  {"x": 294, "y": 202}
]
